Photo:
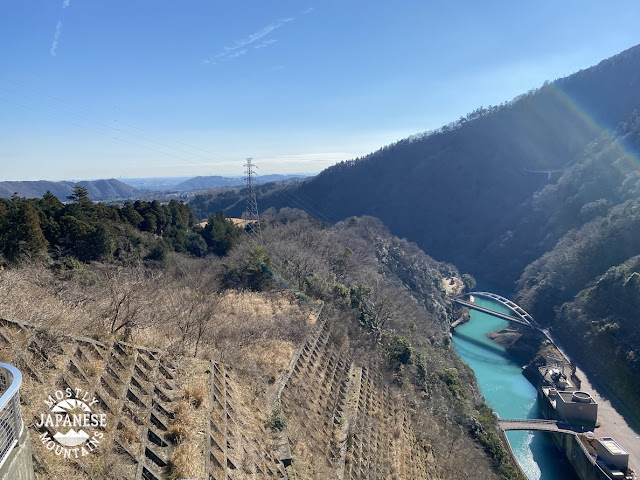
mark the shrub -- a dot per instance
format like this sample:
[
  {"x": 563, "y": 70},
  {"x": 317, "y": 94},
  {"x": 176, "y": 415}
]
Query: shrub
[{"x": 277, "y": 421}]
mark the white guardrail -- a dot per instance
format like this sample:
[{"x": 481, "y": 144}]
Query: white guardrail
[{"x": 11, "y": 424}]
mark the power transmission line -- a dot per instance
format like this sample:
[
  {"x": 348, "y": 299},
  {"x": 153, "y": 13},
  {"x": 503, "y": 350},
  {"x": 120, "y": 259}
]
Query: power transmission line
[{"x": 296, "y": 201}]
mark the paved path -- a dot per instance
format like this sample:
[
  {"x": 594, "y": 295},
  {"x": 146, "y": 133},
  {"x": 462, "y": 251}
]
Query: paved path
[
  {"x": 611, "y": 422},
  {"x": 533, "y": 424}
]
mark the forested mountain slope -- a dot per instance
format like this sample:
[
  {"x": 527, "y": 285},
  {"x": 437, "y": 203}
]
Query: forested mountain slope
[
  {"x": 232, "y": 200},
  {"x": 584, "y": 233},
  {"x": 213, "y": 181},
  {"x": 457, "y": 190}
]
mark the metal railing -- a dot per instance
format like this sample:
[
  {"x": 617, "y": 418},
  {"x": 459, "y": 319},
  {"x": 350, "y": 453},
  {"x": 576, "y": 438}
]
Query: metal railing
[
  {"x": 11, "y": 425},
  {"x": 529, "y": 420}
]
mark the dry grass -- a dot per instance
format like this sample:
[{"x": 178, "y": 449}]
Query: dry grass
[
  {"x": 94, "y": 367},
  {"x": 251, "y": 413},
  {"x": 164, "y": 310},
  {"x": 189, "y": 426},
  {"x": 453, "y": 288},
  {"x": 128, "y": 431},
  {"x": 254, "y": 333},
  {"x": 238, "y": 222},
  {"x": 271, "y": 357},
  {"x": 182, "y": 423},
  {"x": 182, "y": 464},
  {"x": 195, "y": 394},
  {"x": 19, "y": 288}
]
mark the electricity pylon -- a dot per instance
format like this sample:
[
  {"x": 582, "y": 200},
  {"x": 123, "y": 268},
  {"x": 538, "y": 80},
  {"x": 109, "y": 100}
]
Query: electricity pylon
[{"x": 251, "y": 212}]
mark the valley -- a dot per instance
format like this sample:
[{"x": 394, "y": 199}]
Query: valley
[
  {"x": 363, "y": 383},
  {"x": 168, "y": 325},
  {"x": 563, "y": 245}
]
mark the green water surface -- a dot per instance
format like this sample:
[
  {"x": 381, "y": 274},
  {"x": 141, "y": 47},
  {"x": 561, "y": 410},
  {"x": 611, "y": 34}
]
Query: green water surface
[{"x": 509, "y": 393}]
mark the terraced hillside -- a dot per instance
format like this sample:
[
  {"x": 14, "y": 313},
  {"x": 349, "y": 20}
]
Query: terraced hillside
[
  {"x": 236, "y": 449},
  {"x": 365, "y": 432},
  {"x": 134, "y": 386},
  {"x": 139, "y": 390}
]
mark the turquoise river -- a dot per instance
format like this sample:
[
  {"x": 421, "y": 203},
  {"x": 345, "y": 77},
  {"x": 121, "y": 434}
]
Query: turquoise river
[{"x": 509, "y": 393}]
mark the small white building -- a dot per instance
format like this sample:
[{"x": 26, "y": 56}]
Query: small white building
[{"x": 612, "y": 454}]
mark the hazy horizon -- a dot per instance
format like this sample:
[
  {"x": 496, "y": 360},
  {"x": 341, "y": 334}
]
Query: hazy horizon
[{"x": 173, "y": 177}]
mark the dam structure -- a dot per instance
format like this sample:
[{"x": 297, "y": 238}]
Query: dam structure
[{"x": 570, "y": 414}]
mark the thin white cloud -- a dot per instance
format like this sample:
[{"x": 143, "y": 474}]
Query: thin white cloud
[
  {"x": 66, "y": 3},
  {"x": 242, "y": 46},
  {"x": 56, "y": 37},
  {"x": 265, "y": 43},
  {"x": 308, "y": 11},
  {"x": 237, "y": 53}
]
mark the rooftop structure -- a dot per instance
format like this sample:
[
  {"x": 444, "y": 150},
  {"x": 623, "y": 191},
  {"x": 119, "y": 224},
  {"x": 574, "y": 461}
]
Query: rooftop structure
[
  {"x": 612, "y": 457},
  {"x": 577, "y": 408},
  {"x": 555, "y": 377}
]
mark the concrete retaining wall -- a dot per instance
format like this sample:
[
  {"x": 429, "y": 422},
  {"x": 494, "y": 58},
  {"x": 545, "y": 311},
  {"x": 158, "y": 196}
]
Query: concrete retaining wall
[
  {"x": 505, "y": 441},
  {"x": 583, "y": 464}
]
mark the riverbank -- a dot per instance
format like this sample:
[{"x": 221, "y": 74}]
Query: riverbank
[
  {"x": 462, "y": 318},
  {"x": 522, "y": 344}
]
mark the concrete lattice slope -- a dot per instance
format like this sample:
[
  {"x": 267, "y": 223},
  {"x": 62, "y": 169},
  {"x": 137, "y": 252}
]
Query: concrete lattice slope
[
  {"x": 237, "y": 448},
  {"x": 134, "y": 386},
  {"x": 343, "y": 423}
]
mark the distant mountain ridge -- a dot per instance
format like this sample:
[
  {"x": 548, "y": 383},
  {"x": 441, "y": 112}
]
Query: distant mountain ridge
[
  {"x": 215, "y": 181},
  {"x": 98, "y": 189},
  {"x": 113, "y": 189}
]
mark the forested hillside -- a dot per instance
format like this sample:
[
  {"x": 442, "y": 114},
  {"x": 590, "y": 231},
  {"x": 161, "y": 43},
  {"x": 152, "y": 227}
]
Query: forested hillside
[
  {"x": 40, "y": 228},
  {"x": 606, "y": 312},
  {"x": 213, "y": 181},
  {"x": 382, "y": 335},
  {"x": 457, "y": 190},
  {"x": 583, "y": 235},
  {"x": 232, "y": 201}
]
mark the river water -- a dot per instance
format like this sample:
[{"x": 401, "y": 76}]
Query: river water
[{"x": 509, "y": 393}]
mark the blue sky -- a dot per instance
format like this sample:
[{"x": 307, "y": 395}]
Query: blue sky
[{"x": 141, "y": 88}]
